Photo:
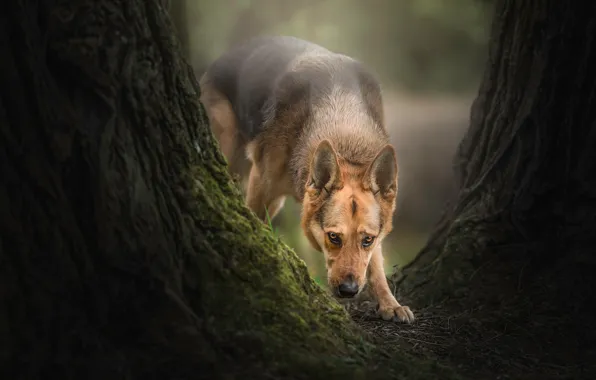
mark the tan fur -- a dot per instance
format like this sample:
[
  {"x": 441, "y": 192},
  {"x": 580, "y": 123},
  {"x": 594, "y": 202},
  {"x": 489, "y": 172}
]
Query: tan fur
[
  {"x": 224, "y": 127},
  {"x": 327, "y": 147}
]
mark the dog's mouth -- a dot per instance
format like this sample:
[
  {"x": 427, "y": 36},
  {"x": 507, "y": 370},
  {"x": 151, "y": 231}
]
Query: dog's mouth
[{"x": 343, "y": 295}]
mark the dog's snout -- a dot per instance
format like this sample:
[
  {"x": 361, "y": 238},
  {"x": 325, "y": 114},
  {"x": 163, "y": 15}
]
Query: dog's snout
[{"x": 348, "y": 288}]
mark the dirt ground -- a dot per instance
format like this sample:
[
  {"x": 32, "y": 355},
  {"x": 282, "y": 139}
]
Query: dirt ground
[{"x": 458, "y": 340}]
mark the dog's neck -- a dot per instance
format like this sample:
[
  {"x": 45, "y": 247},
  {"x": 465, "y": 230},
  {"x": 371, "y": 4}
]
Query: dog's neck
[{"x": 352, "y": 133}]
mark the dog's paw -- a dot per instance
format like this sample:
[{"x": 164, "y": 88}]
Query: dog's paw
[{"x": 397, "y": 314}]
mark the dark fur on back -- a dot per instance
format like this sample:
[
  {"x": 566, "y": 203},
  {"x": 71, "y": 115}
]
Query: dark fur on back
[{"x": 262, "y": 79}]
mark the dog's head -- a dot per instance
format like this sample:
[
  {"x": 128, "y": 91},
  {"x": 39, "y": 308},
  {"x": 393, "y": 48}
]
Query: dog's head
[{"x": 347, "y": 211}]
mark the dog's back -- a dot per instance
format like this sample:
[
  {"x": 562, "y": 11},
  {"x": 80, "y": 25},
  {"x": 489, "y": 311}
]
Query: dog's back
[
  {"x": 248, "y": 74},
  {"x": 260, "y": 79},
  {"x": 269, "y": 89}
]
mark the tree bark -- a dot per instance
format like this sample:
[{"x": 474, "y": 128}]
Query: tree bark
[
  {"x": 125, "y": 249},
  {"x": 518, "y": 240}
]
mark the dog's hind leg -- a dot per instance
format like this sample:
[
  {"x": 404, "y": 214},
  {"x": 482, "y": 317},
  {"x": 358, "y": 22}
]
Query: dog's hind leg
[
  {"x": 262, "y": 197},
  {"x": 268, "y": 183},
  {"x": 224, "y": 126},
  {"x": 275, "y": 206}
]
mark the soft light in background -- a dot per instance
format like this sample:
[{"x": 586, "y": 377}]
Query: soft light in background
[{"x": 429, "y": 56}]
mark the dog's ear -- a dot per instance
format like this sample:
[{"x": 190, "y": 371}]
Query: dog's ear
[
  {"x": 382, "y": 173},
  {"x": 324, "y": 168}
]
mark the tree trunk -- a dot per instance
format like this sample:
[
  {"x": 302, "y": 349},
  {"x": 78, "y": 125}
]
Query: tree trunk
[
  {"x": 518, "y": 242},
  {"x": 125, "y": 249}
]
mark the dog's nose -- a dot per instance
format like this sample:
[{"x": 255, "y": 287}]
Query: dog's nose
[{"x": 348, "y": 288}]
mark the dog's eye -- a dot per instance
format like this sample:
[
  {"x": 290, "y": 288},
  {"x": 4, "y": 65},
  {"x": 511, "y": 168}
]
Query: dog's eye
[
  {"x": 333, "y": 238},
  {"x": 367, "y": 241}
]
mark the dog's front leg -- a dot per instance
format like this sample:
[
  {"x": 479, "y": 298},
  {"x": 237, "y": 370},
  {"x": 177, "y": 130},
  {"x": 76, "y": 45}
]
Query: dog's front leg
[{"x": 389, "y": 308}]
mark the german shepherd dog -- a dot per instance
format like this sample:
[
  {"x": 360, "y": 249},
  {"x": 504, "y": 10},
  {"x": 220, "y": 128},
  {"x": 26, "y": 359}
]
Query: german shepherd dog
[{"x": 293, "y": 118}]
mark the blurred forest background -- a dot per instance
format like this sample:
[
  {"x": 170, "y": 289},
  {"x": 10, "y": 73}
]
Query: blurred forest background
[{"x": 429, "y": 56}]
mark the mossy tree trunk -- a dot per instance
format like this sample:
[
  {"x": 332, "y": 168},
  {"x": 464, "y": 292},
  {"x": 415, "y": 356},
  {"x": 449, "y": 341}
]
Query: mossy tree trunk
[
  {"x": 125, "y": 249},
  {"x": 519, "y": 239}
]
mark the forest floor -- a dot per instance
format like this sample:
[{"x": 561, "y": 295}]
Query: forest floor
[{"x": 460, "y": 341}]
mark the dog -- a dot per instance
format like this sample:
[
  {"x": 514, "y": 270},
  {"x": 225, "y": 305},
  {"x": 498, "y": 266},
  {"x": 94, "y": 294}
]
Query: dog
[{"x": 295, "y": 119}]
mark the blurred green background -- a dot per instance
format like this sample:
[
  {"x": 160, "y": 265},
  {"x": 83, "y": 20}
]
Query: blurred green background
[{"x": 429, "y": 56}]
